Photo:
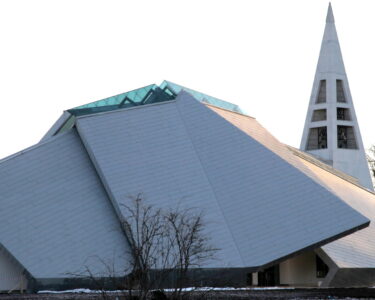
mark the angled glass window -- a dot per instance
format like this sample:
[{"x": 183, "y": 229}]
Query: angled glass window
[
  {"x": 202, "y": 97},
  {"x": 322, "y": 92},
  {"x": 319, "y": 115},
  {"x": 343, "y": 114},
  {"x": 340, "y": 94},
  {"x": 148, "y": 95},
  {"x": 317, "y": 138},
  {"x": 346, "y": 137}
]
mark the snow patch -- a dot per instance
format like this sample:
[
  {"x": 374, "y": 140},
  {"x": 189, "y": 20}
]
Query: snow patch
[{"x": 189, "y": 289}]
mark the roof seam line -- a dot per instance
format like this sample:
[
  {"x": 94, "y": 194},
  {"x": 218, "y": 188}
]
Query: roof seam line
[{"x": 209, "y": 181}]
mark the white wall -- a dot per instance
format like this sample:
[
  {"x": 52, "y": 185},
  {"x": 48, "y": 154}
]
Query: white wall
[
  {"x": 11, "y": 277},
  {"x": 299, "y": 270}
]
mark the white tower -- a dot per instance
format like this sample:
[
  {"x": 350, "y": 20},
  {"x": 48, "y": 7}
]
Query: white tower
[{"x": 331, "y": 131}]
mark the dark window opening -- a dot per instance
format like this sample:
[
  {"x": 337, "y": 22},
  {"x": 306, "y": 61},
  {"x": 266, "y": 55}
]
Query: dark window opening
[
  {"x": 249, "y": 279},
  {"x": 340, "y": 94},
  {"x": 321, "y": 268},
  {"x": 343, "y": 114},
  {"x": 319, "y": 115},
  {"x": 269, "y": 277},
  {"x": 317, "y": 138},
  {"x": 321, "y": 98},
  {"x": 346, "y": 137}
]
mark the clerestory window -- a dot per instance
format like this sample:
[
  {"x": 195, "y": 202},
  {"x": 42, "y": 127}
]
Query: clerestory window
[
  {"x": 319, "y": 115},
  {"x": 343, "y": 114},
  {"x": 322, "y": 92},
  {"x": 346, "y": 137},
  {"x": 340, "y": 94},
  {"x": 317, "y": 138}
]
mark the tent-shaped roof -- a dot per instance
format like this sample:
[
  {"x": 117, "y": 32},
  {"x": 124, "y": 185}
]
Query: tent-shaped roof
[
  {"x": 55, "y": 216},
  {"x": 260, "y": 208},
  {"x": 356, "y": 250},
  {"x": 60, "y": 200}
]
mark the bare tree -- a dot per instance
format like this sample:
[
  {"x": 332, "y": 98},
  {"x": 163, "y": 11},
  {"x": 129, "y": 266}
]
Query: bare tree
[
  {"x": 371, "y": 160},
  {"x": 165, "y": 244},
  {"x": 191, "y": 246}
]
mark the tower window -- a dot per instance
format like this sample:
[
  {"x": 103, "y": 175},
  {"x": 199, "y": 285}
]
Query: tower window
[
  {"x": 346, "y": 137},
  {"x": 322, "y": 92},
  {"x": 319, "y": 115},
  {"x": 343, "y": 114},
  {"x": 317, "y": 138},
  {"x": 321, "y": 268},
  {"x": 340, "y": 94}
]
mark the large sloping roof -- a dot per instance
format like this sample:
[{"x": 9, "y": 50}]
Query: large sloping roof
[
  {"x": 263, "y": 203},
  {"x": 260, "y": 208},
  {"x": 55, "y": 217},
  {"x": 356, "y": 250}
]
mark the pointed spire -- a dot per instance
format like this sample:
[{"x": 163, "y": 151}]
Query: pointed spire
[
  {"x": 331, "y": 130},
  {"x": 330, "y": 18},
  {"x": 330, "y": 58}
]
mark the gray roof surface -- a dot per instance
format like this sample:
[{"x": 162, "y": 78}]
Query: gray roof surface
[
  {"x": 55, "y": 217},
  {"x": 356, "y": 250},
  {"x": 259, "y": 207},
  {"x": 56, "y": 126}
]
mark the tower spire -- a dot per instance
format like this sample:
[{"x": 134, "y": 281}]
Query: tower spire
[
  {"x": 331, "y": 130},
  {"x": 330, "y": 18}
]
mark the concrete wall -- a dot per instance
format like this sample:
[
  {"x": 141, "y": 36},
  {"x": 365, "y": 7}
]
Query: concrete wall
[
  {"x": 11, "y": 273},
  {"x": 353, "y": 277},
  {"x": 300, "y": 271}
]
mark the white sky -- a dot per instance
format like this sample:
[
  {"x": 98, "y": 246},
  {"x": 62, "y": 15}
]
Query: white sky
[{"x": 261, "y": 55}]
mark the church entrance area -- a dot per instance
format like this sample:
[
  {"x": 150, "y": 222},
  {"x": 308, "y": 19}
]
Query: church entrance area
[{"x": 269, "y": 277}]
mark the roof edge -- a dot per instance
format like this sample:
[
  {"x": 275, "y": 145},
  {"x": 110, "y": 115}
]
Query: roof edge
[
  {"x": 313, "y": 160},
  {"x": 228, "y": 110},
  {"x": 316, "y": 245},
  {"x": 33, "y": 147},
  {"x": 15, "y": 260}
]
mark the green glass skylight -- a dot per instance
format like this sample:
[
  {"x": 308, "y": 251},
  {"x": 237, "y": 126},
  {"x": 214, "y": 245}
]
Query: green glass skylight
[
  {"x": 133, "y": 98},
  {"x": 146, "y": 95},
  {"x": 201, "y": 97}
]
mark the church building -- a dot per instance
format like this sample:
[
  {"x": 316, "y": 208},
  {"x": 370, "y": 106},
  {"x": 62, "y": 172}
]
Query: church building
[{"x": 277, "y": 215}]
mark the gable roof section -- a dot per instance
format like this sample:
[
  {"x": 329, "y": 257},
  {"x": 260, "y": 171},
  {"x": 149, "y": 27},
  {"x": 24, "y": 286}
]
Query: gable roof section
[
  {"x": 259, "y": 207},
  {"x": 356, "y": 250},
  {"x": 148, "y": 150},
  {"x": 55, "y": 217}
]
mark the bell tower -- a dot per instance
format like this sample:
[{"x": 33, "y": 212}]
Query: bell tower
[{"x": 331, "y": 131}]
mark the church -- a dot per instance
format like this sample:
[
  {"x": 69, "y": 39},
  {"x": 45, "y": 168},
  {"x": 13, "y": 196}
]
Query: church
[{"x": 279, "y": 216}]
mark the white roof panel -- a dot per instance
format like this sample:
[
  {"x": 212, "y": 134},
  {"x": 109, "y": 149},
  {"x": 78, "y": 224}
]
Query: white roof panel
[
  {"x": 55, "y": 217},
  {"x": 260, "y": 208}
]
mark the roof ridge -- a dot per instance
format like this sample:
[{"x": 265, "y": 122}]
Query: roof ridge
[
  {"x": 35, "y": 146},
  {"x": 310, "y": 158},
  {"x": 236, "y": 112},
  {"x": 124, "y": 108}
]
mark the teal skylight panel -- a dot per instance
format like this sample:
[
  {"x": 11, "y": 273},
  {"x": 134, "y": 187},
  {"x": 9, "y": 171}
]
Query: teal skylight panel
[
  {"x": 202, "y": 97},
  {"x": 135, "y": 96},
  {"x": 146, "y": 95}
]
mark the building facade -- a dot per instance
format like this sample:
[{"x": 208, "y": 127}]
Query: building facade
[{"x": 276, "y": 214}]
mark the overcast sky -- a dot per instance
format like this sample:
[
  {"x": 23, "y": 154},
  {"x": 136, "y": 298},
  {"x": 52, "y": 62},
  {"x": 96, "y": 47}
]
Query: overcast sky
[{"x": 261, "y": 55}]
